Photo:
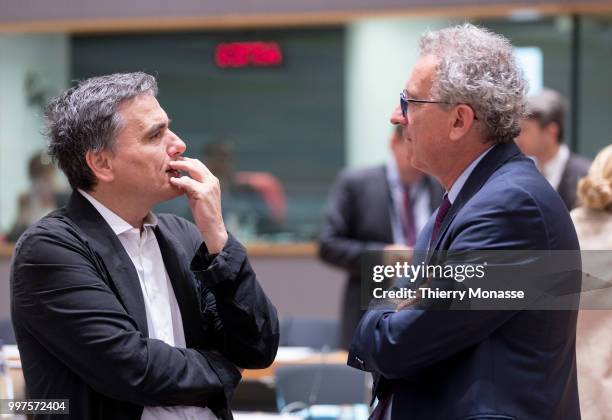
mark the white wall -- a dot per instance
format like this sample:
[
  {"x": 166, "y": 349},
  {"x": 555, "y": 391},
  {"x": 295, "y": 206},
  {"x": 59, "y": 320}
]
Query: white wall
[
  {"x": 380, "y": 56},
  {"x": 47, "y": 58}
]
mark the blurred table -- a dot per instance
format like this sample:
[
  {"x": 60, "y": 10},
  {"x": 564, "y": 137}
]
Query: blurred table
[
  {"x": 6, "y": 250},
  {"x": 282, "y": 249},
  {"x": 240, "y": 415},
  {"x": 294, "y": 356},
  {"x": 314, "y": 412},
  {"x": 254, "y": 249},
  {"x": 11, "y": 355}
]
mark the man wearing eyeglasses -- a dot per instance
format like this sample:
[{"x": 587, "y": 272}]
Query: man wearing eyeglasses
[{"x": 460, "y": 112}]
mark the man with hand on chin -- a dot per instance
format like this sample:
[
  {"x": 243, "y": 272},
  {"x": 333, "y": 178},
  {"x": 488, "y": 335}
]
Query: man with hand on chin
[{"x": 129, "y": 314}]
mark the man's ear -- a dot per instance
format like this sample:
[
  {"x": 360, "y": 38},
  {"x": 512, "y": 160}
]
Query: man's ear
[
  {"x": 101, "y": 165},
  {"x": 462, "y": 120},
  {"x": 552, "y": 130}
]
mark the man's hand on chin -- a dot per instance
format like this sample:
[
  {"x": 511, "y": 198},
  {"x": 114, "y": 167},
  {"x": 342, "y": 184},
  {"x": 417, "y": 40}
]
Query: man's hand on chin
[{"x": 204, "y": 193}]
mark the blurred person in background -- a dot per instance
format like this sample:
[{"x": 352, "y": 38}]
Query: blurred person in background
[
  {"x": 43, "y": 196},
  {"x": 593, "y": 221},
  {"x": 460, "y": 111},
  {"x": 374, "y": 209},
  {"x": 542, "y": 137},
  {"x": 251, "y": 200},
  {"x": 127, "y": 313}
]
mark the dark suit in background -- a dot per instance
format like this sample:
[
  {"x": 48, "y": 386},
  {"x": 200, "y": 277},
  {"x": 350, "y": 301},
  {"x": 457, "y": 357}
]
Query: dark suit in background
[
  {"x": 576, "y": 167},
  {"x": 81, "y": 326},
  {"x": 358, "y": 220}
]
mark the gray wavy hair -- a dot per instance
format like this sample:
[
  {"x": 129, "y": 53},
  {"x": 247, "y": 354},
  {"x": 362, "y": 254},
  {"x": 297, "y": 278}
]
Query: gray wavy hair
[
  {"x": 477, "y": 67},
  {"x": 85, "y": 118}
]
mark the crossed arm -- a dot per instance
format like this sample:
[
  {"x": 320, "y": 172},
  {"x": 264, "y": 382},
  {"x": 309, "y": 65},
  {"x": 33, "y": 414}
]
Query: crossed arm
[{"x": 63, "y": 300}]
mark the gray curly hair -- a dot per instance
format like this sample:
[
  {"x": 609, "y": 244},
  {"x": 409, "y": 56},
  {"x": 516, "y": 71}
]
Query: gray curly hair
[
  {"x": 477, "y": 67},
  {"x": 85, "y": 118}
]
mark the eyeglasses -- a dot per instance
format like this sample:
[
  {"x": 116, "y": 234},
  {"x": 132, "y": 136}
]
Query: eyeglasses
[{"x": 404, "y": 102}]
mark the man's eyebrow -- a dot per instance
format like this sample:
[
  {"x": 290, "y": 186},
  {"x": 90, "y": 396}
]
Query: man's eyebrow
[
  {"x": 410, "y": 93},
  {"x": 156, "y": 127}
]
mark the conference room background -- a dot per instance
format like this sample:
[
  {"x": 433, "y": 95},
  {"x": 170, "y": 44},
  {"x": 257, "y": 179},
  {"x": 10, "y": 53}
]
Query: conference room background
[{"x": 302, "y": 120}]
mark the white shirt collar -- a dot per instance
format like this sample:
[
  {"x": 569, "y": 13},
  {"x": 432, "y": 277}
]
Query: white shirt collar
[
  {"x": 553, "y": 169},
  {"x": 117, "y": 224},
  {"x": 461, "y": 180}
]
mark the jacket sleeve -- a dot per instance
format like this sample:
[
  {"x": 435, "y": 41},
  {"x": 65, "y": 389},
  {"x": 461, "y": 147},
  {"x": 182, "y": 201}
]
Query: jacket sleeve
[
  {"x": 337, "y": 245},
  {"x": 61, "y": 299},
  {"x": 234, "y": 307}
]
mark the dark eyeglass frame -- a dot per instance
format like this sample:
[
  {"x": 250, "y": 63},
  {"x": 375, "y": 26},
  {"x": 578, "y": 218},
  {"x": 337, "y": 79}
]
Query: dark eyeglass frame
[{"x": 404, "y": 100}]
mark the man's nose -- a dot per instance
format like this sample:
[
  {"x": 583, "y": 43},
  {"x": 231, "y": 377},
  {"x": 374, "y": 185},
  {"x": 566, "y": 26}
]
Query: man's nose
[
  {"x": 177, "y": 146},
  {"x": 397, "y": 118}
]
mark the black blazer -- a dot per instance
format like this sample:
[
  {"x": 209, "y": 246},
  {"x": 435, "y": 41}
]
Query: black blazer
[
  {"x": 358, "y": 221},
  {"x": 81, "y": 326},
  {"x": 576, "y": 167}
]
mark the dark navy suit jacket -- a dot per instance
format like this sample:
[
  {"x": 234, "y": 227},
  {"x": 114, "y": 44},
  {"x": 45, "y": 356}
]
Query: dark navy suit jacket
[{"x": 517, "y": 364}]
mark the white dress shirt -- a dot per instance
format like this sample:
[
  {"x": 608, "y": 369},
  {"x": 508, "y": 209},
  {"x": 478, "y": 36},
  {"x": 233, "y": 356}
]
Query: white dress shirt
[
  {"x": 164, "y": 319},
  {"x": 455, "y": 189},
  {"x": 553, "y": 169}
]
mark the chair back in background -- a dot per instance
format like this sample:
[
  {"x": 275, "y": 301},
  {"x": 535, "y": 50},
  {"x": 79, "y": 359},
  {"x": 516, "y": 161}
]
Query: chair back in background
[
  {"x": 317, "y": 333},
  {"x": 323, "y": 383},
  {"x": 7, "y": 335}
]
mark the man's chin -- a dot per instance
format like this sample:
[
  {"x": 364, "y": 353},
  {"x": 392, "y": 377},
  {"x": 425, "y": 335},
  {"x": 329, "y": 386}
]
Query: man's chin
[
  {"x": 169, "y": 194},
  {"x": 417, "y": 164}
]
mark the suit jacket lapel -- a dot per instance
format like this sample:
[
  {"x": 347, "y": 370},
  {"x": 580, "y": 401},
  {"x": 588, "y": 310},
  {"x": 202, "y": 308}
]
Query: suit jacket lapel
[
  {"x": 176, "y": 261},
  {"x": 117, "y": 262},
  {"x": 499, "y": 155}
]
